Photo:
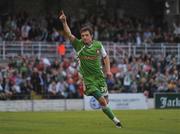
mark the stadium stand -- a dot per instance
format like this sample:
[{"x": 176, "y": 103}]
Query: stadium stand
[
  {"x": 147, "y": 48},
  {"x": 137, "y": 30},
  {"x": 59, "y": 79}
]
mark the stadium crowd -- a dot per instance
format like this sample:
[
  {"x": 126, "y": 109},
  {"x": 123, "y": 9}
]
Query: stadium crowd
[
  {"x": 137, "y": 30},
  {"x": 25, "y": 76},
  {"x": 28, "y": 75}
]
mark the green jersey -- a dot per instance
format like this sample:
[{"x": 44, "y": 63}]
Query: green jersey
[
  {"x": 90, "y": 65},
  {"x": 90, "y": 57}
]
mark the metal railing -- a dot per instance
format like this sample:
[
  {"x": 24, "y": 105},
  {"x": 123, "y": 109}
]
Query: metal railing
[{"x": 116, "y": 50}]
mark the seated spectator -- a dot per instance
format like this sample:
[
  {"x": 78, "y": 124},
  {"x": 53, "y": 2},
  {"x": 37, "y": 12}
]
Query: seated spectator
[
  {"x": 53, "y": 91},
  {"x": 7, "y": 89},
  {"x": 171, "y": 86},
  {"x": 176, "y": 28},
  {"x": 25, "y": 29},
  {"x": 26, "y": 88},
  {"x": 61, "y": 87},
  {"x": 72, "y": 91},
  {"x": 2, "y": 94}
]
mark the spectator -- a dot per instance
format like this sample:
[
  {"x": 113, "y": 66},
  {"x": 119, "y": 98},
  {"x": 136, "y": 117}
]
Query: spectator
[
  {"x": 55, "y": 35},
  {"x": 61, "y": 86},
  {"x": 53, "y": 91},
  {"x": 25, "y": 29},
  {"x": 2, "y": 94},
  {"x": 176, "y": 28}
]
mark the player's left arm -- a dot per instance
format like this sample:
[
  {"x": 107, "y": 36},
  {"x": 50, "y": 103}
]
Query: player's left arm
[{"x": 106, "y": 63}]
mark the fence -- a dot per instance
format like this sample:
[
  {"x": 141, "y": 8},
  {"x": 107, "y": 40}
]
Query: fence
[
  {"x": 122, "y": 50},
  {"x": 116, "y": 50}
]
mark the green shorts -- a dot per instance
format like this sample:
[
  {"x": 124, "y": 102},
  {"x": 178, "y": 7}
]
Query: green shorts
[{"x": 95, "y": 86}]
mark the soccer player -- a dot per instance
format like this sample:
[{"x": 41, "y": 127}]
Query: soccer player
[{"x": 89, "y": 52}]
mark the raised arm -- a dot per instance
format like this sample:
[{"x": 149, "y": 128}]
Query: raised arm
[{"x": 66, "y": 28}]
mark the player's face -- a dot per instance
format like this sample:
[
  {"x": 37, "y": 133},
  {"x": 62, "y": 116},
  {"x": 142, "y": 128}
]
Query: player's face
[{"x": 86, "y": 37}]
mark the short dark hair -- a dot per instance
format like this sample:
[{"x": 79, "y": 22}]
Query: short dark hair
[{"x": 86, "y": 28}]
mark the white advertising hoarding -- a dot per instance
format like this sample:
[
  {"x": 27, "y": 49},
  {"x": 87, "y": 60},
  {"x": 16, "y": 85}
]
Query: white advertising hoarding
[{"x": 119, "y": 101}]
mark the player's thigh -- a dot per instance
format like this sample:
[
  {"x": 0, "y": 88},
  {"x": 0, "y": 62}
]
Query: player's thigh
[
  {"x": 102, "y": 86},
  {"x": 89, "y": 89}
]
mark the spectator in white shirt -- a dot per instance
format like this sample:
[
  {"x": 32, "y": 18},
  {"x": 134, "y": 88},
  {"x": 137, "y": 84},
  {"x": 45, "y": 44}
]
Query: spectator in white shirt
[{"x": 25, "y": 31}]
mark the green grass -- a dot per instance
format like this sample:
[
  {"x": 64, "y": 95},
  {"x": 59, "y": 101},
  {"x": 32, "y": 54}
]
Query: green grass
[{"x": 94, "y": 122}]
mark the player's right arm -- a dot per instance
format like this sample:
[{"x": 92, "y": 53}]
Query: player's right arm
[
  {"x": 75, "y": 42},
  {"x": 66, "y": 28}
]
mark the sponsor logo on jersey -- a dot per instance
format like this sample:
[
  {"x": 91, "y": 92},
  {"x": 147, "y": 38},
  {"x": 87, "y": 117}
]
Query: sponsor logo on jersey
[
  {"x": 87, "y": 57},
  {"x": 97, "y": 51}
]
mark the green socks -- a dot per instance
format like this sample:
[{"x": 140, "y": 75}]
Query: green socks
[{"x": 108, "y": 112}]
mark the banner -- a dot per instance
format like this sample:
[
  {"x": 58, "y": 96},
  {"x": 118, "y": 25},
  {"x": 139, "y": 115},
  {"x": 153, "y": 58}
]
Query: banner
[
  {"x": 167, "y": 100},
  {"x": 119, "y": 101}
]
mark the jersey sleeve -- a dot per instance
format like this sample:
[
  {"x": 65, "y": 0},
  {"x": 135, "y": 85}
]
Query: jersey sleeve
[
  {"x": 103, "y": 51},
  {"x": 77, "y": 44}
]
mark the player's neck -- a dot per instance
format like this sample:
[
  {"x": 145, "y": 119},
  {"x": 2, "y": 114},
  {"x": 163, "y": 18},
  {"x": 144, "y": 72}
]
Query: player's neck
[{"x": 88, "y": 44}]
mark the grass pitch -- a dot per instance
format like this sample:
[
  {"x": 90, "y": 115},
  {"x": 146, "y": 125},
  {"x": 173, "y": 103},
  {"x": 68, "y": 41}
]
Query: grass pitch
[{"x": 90, "y": 122}]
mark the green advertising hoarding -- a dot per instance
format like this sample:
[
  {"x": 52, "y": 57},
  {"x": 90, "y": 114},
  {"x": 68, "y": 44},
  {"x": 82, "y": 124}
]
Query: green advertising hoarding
[{"x": 167, "y": 100}]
